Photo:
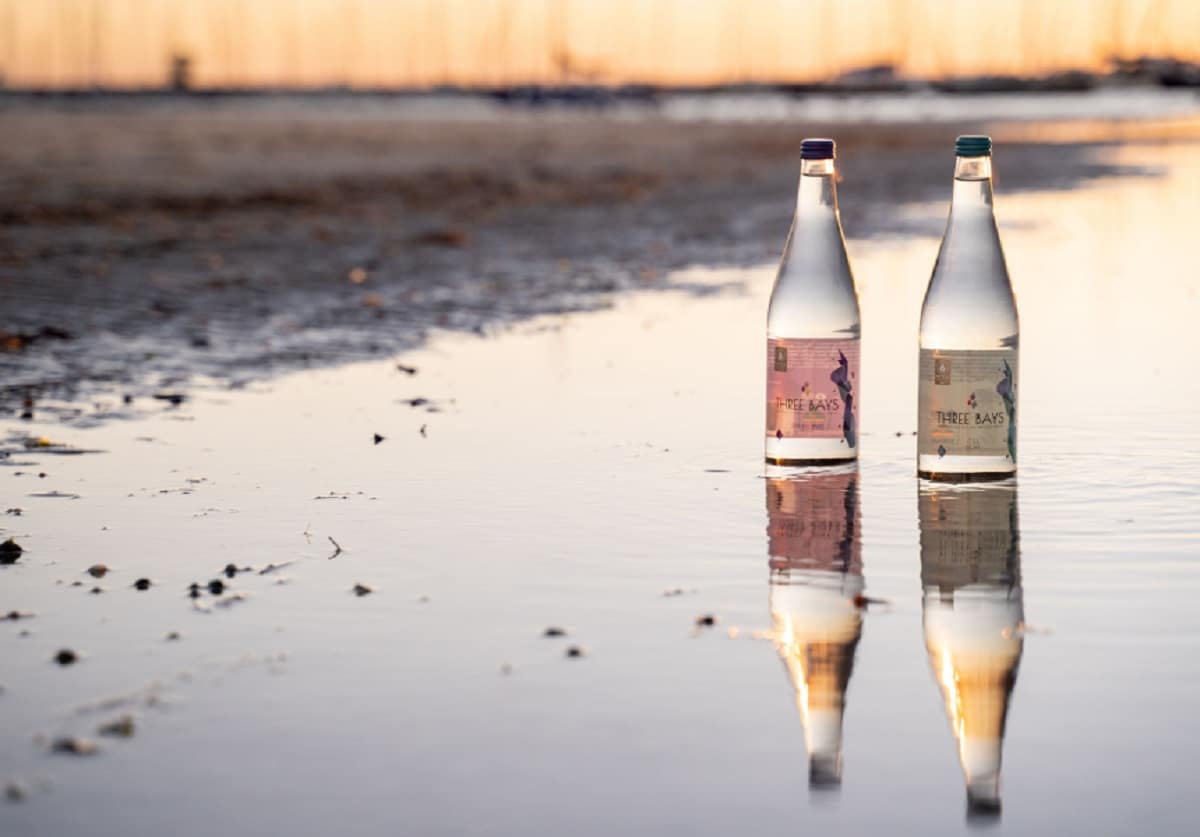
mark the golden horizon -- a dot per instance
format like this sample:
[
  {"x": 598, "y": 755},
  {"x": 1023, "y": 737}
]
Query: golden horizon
[{"x": 372, "y": 43}]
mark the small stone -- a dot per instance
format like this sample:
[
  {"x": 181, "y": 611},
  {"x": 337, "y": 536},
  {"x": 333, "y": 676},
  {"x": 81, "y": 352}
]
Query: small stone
[
  {"x": 173, "y": 636},
  {"x": 96, "y": 591},
  {"x": 123, "y": 727},
  {"x": 194, "y": 590},
  {"x": 73, "y": 746},
  {"x": 706, "y": 621},
  {"x": 142, "y": 584},
  {"x": 230, "y": 570},
  {"x": 97, "y": 570},
  {"x": 554, "y": 631},
  {"x": 216, "y": 587},
  {"x": 15, "y": 791},
  {"x": 379, "y": 438},
  {"x": 361, "y": 589},
  {"x": 14, "y": 615},
  {"x": 66, "y": 657},
  {"x": 576, "y": 652},
  {"x": 10, "y": 551}
]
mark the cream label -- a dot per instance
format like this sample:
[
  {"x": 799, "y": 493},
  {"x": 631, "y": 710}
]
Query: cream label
[
  {"x": 968, "y": 403},
  {"x": 812, "y": 389}
]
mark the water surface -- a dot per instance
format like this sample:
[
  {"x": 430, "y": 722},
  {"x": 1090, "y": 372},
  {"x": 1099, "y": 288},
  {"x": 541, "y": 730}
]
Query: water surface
[{"x": 575, "y": 470}]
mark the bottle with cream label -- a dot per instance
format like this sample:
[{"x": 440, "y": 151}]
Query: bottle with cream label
[{"x": 967, "y": 392}]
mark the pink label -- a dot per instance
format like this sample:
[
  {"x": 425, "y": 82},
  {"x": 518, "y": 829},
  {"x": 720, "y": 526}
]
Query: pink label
[{"x": 812, "y": 389}]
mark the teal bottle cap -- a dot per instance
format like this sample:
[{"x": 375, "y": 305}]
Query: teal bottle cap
[{"x": 973, "y": 145}]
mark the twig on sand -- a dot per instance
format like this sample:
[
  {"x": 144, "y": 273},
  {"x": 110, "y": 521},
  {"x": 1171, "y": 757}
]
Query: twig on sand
[{"x": 337, "y": 548}]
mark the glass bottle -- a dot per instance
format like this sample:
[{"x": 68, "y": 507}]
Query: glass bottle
[
  {"x": 813, "y": 329},
  {"x": 973, "y": 621},
  {"x": 967, "y": 420},
  {"x": 815, "y": 597}
]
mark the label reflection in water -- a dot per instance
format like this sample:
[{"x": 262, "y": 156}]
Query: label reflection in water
[
  {"x": 973, "y": 619},
  {"x": 815, "y": 595}
]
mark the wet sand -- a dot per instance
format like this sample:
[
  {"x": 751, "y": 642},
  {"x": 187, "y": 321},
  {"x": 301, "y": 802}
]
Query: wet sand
[
  {"x": 600, "y": 472},
  {"x": 144, "y": 246}
]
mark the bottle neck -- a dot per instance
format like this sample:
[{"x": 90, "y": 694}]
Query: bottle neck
[
  {"x": 817, "y": 193},
  {"x": 972, "y": 185}
]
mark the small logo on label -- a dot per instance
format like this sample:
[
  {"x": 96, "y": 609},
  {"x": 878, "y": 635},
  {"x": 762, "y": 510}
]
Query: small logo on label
[
  {"x": 941, "y": 370},
  {"x": 781, "y": 358}
]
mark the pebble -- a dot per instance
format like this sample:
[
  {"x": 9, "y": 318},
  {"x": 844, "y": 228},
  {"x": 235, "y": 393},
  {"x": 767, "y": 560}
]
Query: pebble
[
  {"x": 123, "y": 727},
  {"x": 553, "y": 631},
  {"x": 706, "y": 621},
  {"x": 97, "y": 570},
  {"x": 74, "y": 746},
  {"x": 575, "y": 652},
  {"x": 142, "y": 584},
  {"x": 216, "y": 587},
  {"x": 10, "y": 551},
  {"x": 66, "y": 657},
  {"x": 361, "y": 589}
]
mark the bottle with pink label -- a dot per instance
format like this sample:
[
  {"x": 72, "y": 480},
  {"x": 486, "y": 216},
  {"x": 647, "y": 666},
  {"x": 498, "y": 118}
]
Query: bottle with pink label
[{"x": 813, "y": 329}]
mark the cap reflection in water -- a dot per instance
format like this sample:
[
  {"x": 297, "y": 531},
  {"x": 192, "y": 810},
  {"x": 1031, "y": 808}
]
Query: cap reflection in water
[
  {"x": 816, "y": 584},
  {"x": 973, "y": 620}
]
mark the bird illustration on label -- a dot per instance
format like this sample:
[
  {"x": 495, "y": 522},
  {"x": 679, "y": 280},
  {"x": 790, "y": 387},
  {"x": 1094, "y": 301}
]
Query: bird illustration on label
[
  {"x": 841, "y": 377},
  {"x": 1006, "y": 392}
]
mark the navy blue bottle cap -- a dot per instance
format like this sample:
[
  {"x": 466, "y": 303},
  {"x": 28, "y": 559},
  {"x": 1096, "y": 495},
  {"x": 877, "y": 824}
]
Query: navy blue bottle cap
[
  {"x": 817, "y": 149},
  {"x": 973, "y": 145}
]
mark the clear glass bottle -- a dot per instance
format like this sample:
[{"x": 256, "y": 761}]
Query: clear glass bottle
[
  {"x": 967, "y": 420},
  {"x": 973, "y": 620},
  {"x": 813, "y": 328},
  {"x": 815, "y": 597}
]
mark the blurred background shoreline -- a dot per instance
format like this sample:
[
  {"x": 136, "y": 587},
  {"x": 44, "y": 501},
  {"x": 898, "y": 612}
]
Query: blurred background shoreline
[
  {"x": 201, "y": 189},
  {"x": 155, "y": 242}
]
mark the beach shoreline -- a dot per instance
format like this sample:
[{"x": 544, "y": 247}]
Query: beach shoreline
[{"x": 152, "y": 247}]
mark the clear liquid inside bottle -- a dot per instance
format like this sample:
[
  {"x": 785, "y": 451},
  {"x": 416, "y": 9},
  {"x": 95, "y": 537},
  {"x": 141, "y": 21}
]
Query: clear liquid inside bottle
[
  {"x": 812, "y": 334},
  {"x": 969, "y": 340}
]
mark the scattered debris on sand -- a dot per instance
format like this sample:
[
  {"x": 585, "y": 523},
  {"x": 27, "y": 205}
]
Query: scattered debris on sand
[
  {"x": 73, "y": 746},
  {"x": 10, "y": 551},
  {"x": 122, "y": 727}
]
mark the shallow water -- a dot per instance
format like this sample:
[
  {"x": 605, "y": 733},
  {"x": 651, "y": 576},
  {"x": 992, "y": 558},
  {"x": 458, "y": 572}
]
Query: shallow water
[{"x": 575, "y": 470}]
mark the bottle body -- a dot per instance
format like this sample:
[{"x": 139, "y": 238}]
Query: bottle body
[
  {"x": 813, "y": 330},
  {"x": 969, "y": 334}
]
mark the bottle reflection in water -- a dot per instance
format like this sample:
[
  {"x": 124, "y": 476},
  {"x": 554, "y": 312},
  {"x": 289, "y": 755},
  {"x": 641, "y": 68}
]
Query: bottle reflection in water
[
  {"x": 967, "y": 420},
  {"x": 973, "y": 620},
  {"x": 813, "y": 328},
  {"x": 816, "y": 586}
]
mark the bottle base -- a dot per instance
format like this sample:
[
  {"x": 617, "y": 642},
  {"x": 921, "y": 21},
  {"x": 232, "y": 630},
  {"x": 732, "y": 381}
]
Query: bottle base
[
  {"x": 976, "y": 476},
  {"x": 793, "y": 463}
]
